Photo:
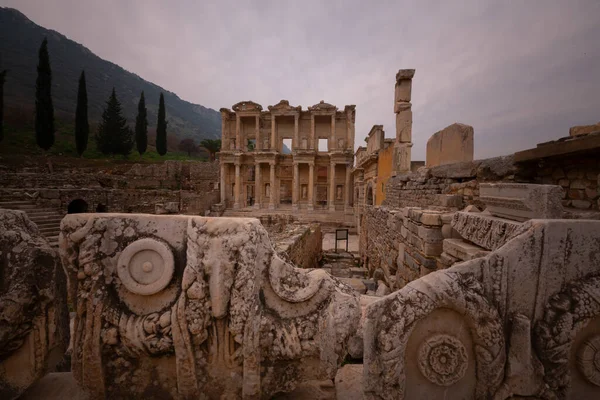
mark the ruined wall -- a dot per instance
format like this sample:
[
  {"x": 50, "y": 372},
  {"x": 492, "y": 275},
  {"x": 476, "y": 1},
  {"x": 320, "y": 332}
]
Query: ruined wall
[
  {"x": 384, "y": 172},
  {"x": 451, "y": 185},
  {"x": 300, "y": 244},
  {"x": 136, "y": 188}
]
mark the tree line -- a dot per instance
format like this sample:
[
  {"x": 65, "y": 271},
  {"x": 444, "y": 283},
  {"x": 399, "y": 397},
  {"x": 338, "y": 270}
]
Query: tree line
[{"x": 114, "y": 135}]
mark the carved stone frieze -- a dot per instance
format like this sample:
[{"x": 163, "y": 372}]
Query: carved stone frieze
[{"x": 484, "y": 230}]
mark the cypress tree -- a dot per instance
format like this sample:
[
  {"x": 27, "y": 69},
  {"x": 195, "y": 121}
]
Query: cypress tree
[
  {"x": 141, "y": 126},
  {"x": 2, "y": 78},
  {"x": 44, "y": 111},
  {"x": 82, "y": 127},
  {"x": 161, "y": 128},
  {"x": 114, "y": 136}
]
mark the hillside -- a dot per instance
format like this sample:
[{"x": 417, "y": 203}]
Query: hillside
[{"x": 20, "y": 39}]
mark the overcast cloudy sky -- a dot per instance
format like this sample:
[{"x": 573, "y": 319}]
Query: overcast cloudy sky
[{"x": 520, "y": 72}]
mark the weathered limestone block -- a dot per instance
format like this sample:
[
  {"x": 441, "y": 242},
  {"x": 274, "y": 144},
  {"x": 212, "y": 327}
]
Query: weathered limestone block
[
  {"x": 34, "y": 319},
  {"x": 404, "y": 125},
  {"x": 484, "y": 230},
  {"x": 584, "y": 129},
  {"x": 520, "y": 201},
  {"x": 463, "y": 250},
  {"x": 523, "y": 321},
  {"x": 402, "y": 157},
  {"x": 452, "y": 144},
  {"x": 190, "y": 307}
]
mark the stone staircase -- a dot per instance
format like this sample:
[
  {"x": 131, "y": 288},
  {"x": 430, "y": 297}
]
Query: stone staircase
[{"x": 46, "y": 219}]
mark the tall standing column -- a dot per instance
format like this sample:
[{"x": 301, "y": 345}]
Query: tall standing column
[
  {"x": 350, "y": 118},
  {"x": 296, "y": 144},
  {"x": 236, "y": 203},
  {"x": 332, "y": 143},
  {"x": 295, "y": 188},
  {"x": 311, "y": 185},
  {"x": 273, "y": 132},
  {"x": 257, "y": 133},
  {"x": 312, "y": 133},
  {"x": 257, "y": 184},
  {"x": 222, "y": 184},
  {"x": 347, "y": 192},
  {"x": 272, "y": 187},
  {"x": 402, "y": 108},
  {"x": 238, "y": 139},
  {"x": 331, "y": 199}
]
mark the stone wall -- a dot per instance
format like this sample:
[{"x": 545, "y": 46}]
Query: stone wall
[
  {"x": 300, "y": 244},
  {"x": 452, "y": 144},
  {"x": 138, "y": 188}
]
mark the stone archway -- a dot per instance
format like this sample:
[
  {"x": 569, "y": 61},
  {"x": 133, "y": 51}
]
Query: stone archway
[{"x": 77, "y": 206}]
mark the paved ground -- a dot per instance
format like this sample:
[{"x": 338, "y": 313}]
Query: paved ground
[{"x": 329, "y": 243}]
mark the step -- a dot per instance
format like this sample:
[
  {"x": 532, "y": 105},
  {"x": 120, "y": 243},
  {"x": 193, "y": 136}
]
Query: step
[
  {"x": 43, "y": 210},
  {"x": 44, "y": 218},
  {"x": 18, "y": 206},
  {"x": 50, "y": 231}
]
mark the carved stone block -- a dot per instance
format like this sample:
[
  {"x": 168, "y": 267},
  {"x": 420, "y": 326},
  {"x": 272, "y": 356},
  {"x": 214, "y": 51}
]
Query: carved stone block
[
  {"x": 34, "y": 319},
  {"x": 484, "y": 230},
  {"x": 523, "y": 321},
  {"x": 193, "y": 307},
  {"x": 520, "y": 201}
]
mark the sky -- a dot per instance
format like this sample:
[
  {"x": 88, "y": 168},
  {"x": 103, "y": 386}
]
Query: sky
[{"x": 520, "y": 72}]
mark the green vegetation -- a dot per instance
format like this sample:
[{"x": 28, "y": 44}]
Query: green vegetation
[
  {"x": 212, "y": 146},
  {"x": 114, "y": 136},
  {"x": 141, "y": 126},
  {"x": 82, "y": 126},
  {"x": 44, "y": 110},
  {"x": 161, "y": 128}
]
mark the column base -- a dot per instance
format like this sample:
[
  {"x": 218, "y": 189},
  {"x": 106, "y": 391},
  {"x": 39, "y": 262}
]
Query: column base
[
  {"x": 294, "y": 207},
  {"x": 349, "y": 210},
  {"x": 310, "y": 207},
  {"x": 256, "y": 206},
  {"x": 271, "y": 206},
  {"x": 331, "y": 208},
  {"x": 236, "y": 206}
]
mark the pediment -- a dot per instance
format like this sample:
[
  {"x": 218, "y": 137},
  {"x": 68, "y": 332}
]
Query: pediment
[
  {"x": 284, "y": 106},
  {"x": 247, "y": 106},
  {"x": 322, "y": 106}
]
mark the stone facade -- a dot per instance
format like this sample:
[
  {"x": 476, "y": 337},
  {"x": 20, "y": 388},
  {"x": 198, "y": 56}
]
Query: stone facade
[
  {"x": 34, "y": 319},
  {"x": 452, "y": 144},
  {"x": 258, "y": 168},
  {"x": 190, "y": 307},
  {"x": 522, "y": 321}
]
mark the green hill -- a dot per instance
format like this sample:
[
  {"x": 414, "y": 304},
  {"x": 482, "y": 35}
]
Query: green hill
[{"x": 20, "y": 39}]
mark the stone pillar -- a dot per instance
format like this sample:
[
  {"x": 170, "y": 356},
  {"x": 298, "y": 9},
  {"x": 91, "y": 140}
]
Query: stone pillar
[
  {"x": 312, "y": 133},
  {"x": 296, "y": 187},
  {"x": 272, "y": 186},
  {"x": 273, "y": 133},
  {"x": 311, "y": 184},
  {"x": 222, "y": 183},
  {"x": 296, "y": 144},
  {"x": 257, "y": 185},
  {"x": 332, "y": 143},
  {"x": 237, "y": 133},
  {"x": 257, "y": 134},
  {"x": 236, "y": 203},
  {"x": 347, "y": 192},
  {"x": 402, "y": 108},
  {"x": 331, "y": 200},
  {"x": 350, "y": 118}
]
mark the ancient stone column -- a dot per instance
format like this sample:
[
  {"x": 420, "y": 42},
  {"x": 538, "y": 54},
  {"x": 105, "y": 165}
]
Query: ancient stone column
[
  {"x": 222, "y": 180},
  {"x": 295, "y": 188},
  {"x": 331, "y": 199},
  {"x": 312, "y": 133},
  {"x": 295, "y": 144},
  {"x": 332, "y": 143},
  {"x": 402, "y": 108},
  {"x": 272, "y": 186},
  {"x": 347, "y": 192},
  {"x": 273, "y": 132},
  {"x": 257, "y": 130},
  {"x": 350, "y": 117},
  {"x": 311, "y": 184},
  {"x": 238, "y": 139},
  {"x": 257, "y": 184},
  {"x": 236, "y": 203}
]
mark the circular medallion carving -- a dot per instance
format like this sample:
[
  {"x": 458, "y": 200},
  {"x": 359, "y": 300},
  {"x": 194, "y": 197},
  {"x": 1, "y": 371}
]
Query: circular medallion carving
[
  {"x": 588, "y": 359},
  {"x": 443, "y": 359},
  {"x": 146, "y": 266}
]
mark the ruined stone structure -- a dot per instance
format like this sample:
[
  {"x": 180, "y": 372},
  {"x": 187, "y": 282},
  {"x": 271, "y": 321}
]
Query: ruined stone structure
[
  {"x": 403, "y": 110},
  {"x": 34, "y": 320},
  {"x": 452, "y": 144},
  {"x": 275, "y": 159},
  {"x": 190, "y": 307}
]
